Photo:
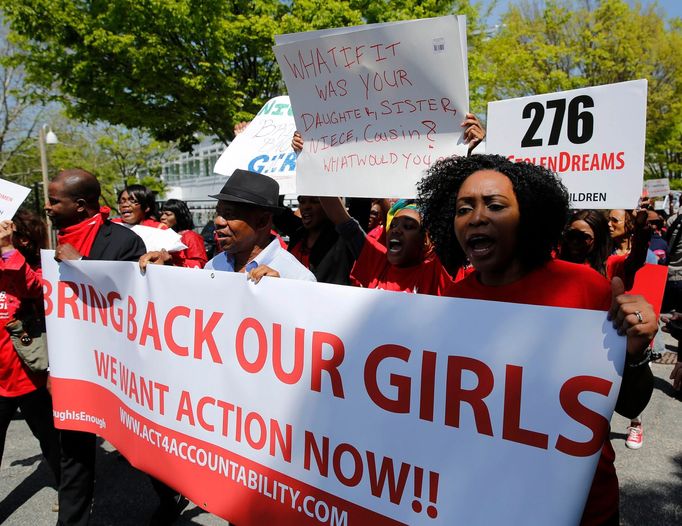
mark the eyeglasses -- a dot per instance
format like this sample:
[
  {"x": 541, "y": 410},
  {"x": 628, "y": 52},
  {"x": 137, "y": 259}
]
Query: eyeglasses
[
  {"x": 130, "y": 200},
  {"x": 578, "y": 235}
]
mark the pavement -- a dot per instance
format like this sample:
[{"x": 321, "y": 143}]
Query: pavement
[{"x": 650, "y": 478}]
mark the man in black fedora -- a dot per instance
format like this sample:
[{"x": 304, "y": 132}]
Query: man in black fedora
[{"x": 243, "y": 226}]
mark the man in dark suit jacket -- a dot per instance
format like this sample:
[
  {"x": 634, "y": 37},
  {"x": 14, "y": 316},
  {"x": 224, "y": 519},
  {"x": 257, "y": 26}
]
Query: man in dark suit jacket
[{"x": 83, "y": 232}]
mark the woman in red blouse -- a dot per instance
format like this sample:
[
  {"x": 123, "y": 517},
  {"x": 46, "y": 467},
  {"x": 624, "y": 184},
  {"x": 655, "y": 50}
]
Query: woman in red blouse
[
  {"x": 176, "y": 215},
  {"x": 21, "y": 291},
  {"x": 137, "y": 206},
  {"x": 507, "y": 218}
]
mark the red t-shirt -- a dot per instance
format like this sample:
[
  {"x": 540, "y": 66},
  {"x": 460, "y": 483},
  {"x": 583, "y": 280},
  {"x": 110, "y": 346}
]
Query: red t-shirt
[
  {"x": 378, "y": 233},
  {"x": 18, "y": 282},
  {"x": 561, "y": 284},
  {"x": 373, "y": 271}
]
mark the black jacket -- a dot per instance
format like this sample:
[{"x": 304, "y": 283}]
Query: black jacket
[{"x": 116, "y": 243}]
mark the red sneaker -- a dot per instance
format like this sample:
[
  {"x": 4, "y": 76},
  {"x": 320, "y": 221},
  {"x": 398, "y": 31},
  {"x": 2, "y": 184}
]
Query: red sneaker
[{"x": 634, "y": 439}]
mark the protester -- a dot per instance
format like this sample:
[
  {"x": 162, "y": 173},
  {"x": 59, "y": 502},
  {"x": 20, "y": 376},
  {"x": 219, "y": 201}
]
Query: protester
[
  {"x": 407, "y": 263},
  {"x": 20, "y": 298},
  {"x": 657, "y": 245},
  {"x": 137, "y": 206},
  {"x": 83, "y": 232},
  {"x": 176, "y": 215},
  {"x": 673, "y": 288},
  {"x": 246, "y": 205},
  {"x": 630, "y": 236},
  {"x": 378, "y": 214},
  {"x": 314, "y": 242},
  {"x": 506, "y": 218},
  {"x": 586, "y": 240}
]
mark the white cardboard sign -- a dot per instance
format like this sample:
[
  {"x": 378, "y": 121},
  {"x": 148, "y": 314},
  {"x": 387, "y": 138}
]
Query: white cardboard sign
[
  {"x": 657, "y": 187},
  {"x": 377, "y": 104},
  {"x": 11, "y": 197},
  {"x": 265, "y": 146},
  {"x": 593, "y": 137}
]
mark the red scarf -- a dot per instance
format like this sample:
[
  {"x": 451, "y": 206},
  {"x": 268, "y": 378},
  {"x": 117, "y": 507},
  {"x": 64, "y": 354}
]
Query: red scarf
[{"x": 82, "y": 235}]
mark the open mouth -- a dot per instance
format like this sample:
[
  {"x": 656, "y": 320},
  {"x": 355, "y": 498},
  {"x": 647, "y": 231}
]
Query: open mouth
[
  {"x": 480, "y": 245},
  {"x": 394, "y": 246}
]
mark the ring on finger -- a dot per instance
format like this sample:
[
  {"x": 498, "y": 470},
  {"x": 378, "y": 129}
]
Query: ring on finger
[{"x": 640, "y": 319}]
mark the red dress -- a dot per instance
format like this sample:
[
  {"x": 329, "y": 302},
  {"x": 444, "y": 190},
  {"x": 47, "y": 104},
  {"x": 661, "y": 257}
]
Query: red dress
[{"x": 561, "y": 284}]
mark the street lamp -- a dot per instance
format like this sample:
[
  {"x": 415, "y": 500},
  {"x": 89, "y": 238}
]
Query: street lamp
[{"x": 46, "y": 136}]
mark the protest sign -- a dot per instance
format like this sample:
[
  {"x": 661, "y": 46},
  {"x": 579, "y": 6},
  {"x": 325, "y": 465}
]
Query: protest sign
[
  {"x": 11, "y": 197},
  {"x": 322, "y": 414},
  {"x": 265, "y": 146},
  {"x": 593, "y": 137},
  {"x": 657, "y": 187},
  {"x": 376, "y": 104},
  {"x": 650, "y": 282}
]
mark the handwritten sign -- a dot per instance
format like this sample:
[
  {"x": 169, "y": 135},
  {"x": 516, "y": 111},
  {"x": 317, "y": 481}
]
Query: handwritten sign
[
  {"x": 11, "y": 197},
  {"x": 265, "y": 146},
  {"x": 593, "y": 137},
  {"x": 376, "y": 105},
  {"x": 264, "y": 414},
  {"x": 657, "y": 187}
]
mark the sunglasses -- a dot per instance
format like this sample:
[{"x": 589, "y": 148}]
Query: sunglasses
[{"x": 577, "y": 235}]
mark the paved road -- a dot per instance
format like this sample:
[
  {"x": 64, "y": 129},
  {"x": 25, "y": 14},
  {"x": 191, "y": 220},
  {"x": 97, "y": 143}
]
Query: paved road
[{"x": 650, "y": 478}]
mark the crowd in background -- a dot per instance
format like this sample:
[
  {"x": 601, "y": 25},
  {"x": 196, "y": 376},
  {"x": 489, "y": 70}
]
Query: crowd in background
[{"x": 482, "y": 227}]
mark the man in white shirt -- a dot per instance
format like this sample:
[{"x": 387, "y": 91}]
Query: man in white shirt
[
  {"x": 243, "y": 230},
  {"x": 243, "y": 225},
  {"x": 243, "y": 222}
]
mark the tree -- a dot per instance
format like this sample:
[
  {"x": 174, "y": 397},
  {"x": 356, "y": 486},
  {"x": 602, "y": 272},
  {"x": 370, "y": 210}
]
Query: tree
[
  {"x": 550, "y": 46},
  {"x": 177, "y": 67},
  {"x": 19, "y": 113},
  {"x": 116, "y": 155}
]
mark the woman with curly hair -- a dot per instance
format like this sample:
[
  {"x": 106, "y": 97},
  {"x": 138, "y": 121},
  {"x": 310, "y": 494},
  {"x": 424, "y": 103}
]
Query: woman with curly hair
[
  {"x": 175, "y": 215},
  {"x": 507, "y": 218},
  {"x": 586, "y": 240}
]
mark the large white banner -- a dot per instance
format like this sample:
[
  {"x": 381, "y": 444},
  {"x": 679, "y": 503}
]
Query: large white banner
[
  {"x": 302, "y": 403},
  {"x": 265, "y": 146},
  {"x": 593, "y": 137},
  {"x": 376, "y": 104}
]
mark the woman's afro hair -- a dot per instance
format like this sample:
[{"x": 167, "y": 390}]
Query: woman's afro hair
[{"x": 542, "y": 198}]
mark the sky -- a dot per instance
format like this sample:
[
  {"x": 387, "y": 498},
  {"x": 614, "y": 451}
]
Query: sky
[{"x": 672, "y": 8}]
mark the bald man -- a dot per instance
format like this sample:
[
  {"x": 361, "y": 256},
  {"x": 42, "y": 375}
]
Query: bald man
[{"x": 83, "y": 232}]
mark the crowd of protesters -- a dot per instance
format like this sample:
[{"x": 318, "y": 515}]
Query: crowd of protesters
[{"x": 482, "y": 227}]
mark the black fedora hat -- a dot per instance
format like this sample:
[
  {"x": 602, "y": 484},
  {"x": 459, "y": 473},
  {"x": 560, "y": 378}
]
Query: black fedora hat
[{"x": 250, "y": 188}]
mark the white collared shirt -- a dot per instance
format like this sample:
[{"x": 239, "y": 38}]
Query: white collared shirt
[{"x": 274, "y": 256}]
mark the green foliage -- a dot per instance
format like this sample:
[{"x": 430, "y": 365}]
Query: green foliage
[
  {"x": 550, "y": 46},
  {"x": 114, "y": 154},
  {"x": 177, "y": 67}
]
